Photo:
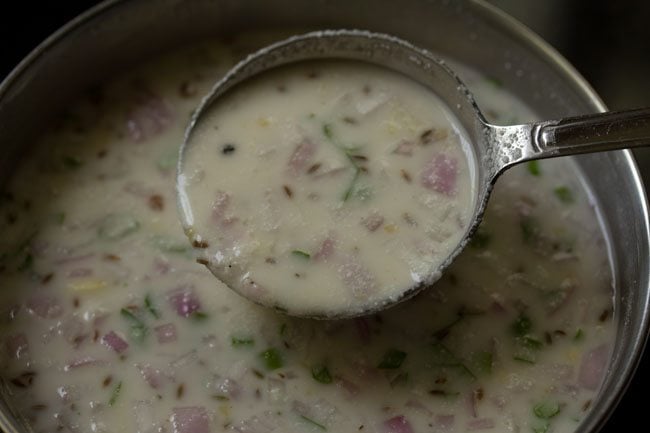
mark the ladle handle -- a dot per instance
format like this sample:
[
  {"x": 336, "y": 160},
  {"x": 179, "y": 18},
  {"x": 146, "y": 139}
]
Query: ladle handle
[{"x": 592, "y": 133}]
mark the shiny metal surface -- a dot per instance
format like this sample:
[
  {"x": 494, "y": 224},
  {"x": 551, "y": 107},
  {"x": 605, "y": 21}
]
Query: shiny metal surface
[{"x": 119, "y": 33}]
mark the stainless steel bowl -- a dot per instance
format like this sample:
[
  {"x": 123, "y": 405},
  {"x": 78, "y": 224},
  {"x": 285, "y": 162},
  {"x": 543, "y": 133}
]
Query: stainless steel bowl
[{"x": 118, "y": 33}]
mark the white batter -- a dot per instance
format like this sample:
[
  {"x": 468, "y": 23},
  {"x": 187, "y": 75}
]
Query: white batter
[
  {"x": 108, "y": 324},
  {"x": 327, "y": 187}
]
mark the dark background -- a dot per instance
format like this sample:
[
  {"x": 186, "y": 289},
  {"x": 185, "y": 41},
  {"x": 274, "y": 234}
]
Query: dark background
[{"x": 607, "y": 41}]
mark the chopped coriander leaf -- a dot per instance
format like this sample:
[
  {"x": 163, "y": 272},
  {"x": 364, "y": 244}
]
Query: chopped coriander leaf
[
  {"x": 115, "y": 394},
  {"x": 300, "y": 254},
  {"x": 239, "y": 342},
  {"x": 525, "y": 358},
  {"x": 521, "y": 326},
  {"x": 579, "y": 335},
  {"x": 353, "y": 158},
  {"x": 530, "y": 230},
  {"x": 484, "y": 361},
  {"x": 546, "y": 410},
  {"x": 72, "y": 162},
  {"x": 314, "y": 423},
  {"x": 443, "y": 357},
  {"x": 542, "y": 428},
  {"x": 27, "y": 263},
  {"x": 564, "y": 194},
  {"x": 272, "y": 359},
  {"x": 392, "y": 359},
  {"x": 148, "y": 304},
  {"x": 494, "y": 82},
  {"x": 125, "y": 312},
  {"x": 321, "y": 374},
  {"x": 199, "y": 316},
  {"x": 60, "y": 218},
  {"x": 283, "y": 329},
  {"x": 533, "y": 168},
  {"x": 481, "y": 239},
  {"x": 327, "y": 131},
  {"x": 348, "y": 192},
  {"x": 531, "y": 342},
  {"x": 138, "y": 330}
]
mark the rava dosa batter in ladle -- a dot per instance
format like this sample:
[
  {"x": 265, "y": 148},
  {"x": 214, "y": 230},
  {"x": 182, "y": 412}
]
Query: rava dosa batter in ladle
[{"x": 327, "y": 186}]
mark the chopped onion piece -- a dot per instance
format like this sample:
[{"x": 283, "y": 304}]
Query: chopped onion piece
[{"x": 190, "y": 419}]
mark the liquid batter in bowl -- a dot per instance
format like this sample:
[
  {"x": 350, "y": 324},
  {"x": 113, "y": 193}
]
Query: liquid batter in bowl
[
  {"x": 326, "y": 187},
  {"x": 108, "y": 323}
]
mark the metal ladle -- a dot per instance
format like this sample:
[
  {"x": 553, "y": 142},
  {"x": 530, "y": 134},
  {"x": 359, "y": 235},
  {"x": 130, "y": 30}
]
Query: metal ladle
[{"x": 495, "y": 148}]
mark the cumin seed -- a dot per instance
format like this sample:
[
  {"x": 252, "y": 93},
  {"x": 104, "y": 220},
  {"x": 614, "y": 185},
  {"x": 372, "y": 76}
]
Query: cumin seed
[
  {"x": 202, "y": 261},
  {"x": 112, "y": 257},
  {"x": 426, "y": 136},
  {"x": 548, "y": 338},
  {"x": 313, "y": 168},
  {"x": 405, "y": 175},
  {"x": 604, "y": 315},
  {"x": 199, "y": 243},
  {"x": 180, "y": 391},
  {"x": 287, "y": 191},
  {"x": 156, "y": 202}
]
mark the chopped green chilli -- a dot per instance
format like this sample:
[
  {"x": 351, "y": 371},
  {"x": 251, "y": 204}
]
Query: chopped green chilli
[
  {"x": 148, "y": 304},
  {"x": 534, "y": 168},
  {"x": 138, "y": 329},
  {"x": 72, "y": 162},
  {"x": 115, "y": 394},
  {"x": 321, "y": 374},
  {"x": 241, "y": 342},
  {"x": 300, "y": 254},
  {"x": 521, "y": 326},
  {"x": 546, "y": 410},
  {"x": 313, "y": 423},
  {"x": 564, "y": 194},
  {"x": 392, "y": 359},
  {"x": 272, "y": 359}
]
